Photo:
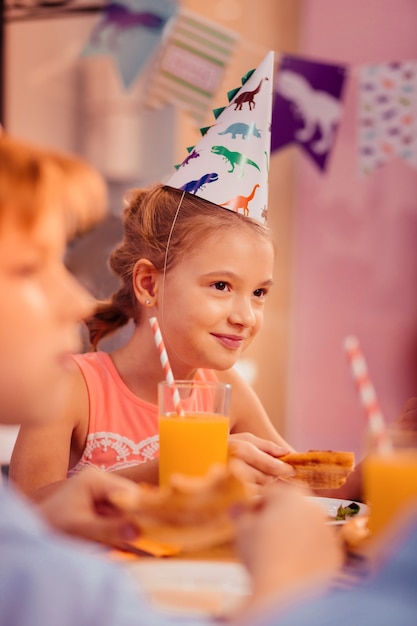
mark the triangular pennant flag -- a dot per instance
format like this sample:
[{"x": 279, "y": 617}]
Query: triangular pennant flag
[
  {"x": 130, "y": 31},
  {"x": 387, "y": 105},
  {"x": 307, "y": 106},
  {"x": 230, "y": 163},
  {"x": 191, "y": 64}
]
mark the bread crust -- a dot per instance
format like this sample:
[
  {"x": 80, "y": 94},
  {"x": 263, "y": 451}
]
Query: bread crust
[
  {"x": 321, "y": 469},
  {"x": 190, "y": 513}
]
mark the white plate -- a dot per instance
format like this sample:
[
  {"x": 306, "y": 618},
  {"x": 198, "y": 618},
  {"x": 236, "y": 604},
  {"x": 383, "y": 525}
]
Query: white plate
[
  {"x": 330, "y": 506},
  {"x": 205, "y": 588}
]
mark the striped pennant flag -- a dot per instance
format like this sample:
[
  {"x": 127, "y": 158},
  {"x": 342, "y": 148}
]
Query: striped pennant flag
[{"x": 191, "y": 64}]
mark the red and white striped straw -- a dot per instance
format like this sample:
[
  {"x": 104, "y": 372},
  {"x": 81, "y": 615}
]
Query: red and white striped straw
[
  {"x": 367, "y": 395},
  {"x": 169, "y": 377}
]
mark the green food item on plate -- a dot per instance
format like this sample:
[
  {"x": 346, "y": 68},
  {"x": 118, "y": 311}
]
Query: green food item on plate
[{"x": 347, "y": 511}]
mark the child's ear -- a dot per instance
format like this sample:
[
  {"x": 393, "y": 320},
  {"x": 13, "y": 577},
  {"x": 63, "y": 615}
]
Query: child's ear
[{"x": 145, "y": 282}]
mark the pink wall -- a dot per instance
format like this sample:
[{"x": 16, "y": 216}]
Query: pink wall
[{"x": 355, "y": 245}]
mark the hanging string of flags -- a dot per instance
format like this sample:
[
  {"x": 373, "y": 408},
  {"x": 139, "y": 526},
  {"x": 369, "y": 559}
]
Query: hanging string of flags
[
  {"x": 308, "y": 109},
  {"x": 192, "y": 53}
]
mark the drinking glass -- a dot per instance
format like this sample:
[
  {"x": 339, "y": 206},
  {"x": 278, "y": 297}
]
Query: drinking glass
[
  {"x": 390, "y": 478},
  {"x": 191, "y": 442}
]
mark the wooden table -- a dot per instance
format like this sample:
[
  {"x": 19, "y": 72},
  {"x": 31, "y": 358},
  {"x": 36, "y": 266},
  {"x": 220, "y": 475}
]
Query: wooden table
[{"x": 209, "y": 601}]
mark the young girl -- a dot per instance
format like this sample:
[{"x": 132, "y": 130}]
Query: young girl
[{"x": 205, "y": 273}]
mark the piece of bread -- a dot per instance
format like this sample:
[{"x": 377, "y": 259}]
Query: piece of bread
[
  {"x": 321, "y": 469},
  {"x": 190, "y": 513}
]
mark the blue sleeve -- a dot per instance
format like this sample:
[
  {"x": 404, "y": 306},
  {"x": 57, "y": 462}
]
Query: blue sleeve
[
  {"x": 387, "y": 598},
  {"x": 55, "y": 584}
]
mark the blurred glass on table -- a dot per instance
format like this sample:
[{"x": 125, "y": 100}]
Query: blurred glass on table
[{"x": 390, "y": 478}]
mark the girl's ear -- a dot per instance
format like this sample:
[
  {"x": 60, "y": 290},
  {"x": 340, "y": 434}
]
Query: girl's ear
[{"x": 145, "y": 282}]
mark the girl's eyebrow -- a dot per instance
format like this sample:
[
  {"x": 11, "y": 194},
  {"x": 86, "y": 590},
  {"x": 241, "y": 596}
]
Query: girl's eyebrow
[{"x": 268, "y": 282}]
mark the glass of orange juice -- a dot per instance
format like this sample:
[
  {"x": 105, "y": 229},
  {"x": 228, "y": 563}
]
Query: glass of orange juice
[
  {"x": 194, "y": 441},
  {"x": 390, "y": 479}
]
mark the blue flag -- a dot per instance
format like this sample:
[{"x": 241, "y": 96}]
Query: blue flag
[{"x": 130, "y": 31}]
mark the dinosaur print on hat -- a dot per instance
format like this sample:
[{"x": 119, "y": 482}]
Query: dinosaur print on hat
[
  {"x": 229, "y": 165},
  {"x": 248, "y": 97}
]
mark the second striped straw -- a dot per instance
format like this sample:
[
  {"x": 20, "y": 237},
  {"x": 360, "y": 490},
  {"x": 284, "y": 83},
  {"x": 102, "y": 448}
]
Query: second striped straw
[
  {"x": 377, "y": 425},
  {"x": 169, "y": 377}
]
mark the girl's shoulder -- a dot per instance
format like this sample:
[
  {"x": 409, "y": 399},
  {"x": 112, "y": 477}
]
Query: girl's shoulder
[
  {"x": 92, "y": 357},
  {"x": 96, "y": 364}
]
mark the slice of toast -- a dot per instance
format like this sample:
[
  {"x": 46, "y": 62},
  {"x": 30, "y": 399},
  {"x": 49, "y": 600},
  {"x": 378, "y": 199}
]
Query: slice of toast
[{"x": 321, "y": 469}]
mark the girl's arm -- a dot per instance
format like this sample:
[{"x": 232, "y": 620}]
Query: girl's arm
[
  {"x": 247, "y": 412},
  {"x": 259, "y": 457},
  {"x": 42, "y": 454},
  {"x": 254, "y": 442}
]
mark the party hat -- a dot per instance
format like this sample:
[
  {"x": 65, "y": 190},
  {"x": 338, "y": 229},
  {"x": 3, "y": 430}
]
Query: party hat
[{"x": 229, "y": 166}]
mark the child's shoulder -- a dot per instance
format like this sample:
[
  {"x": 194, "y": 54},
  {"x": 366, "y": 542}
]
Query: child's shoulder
[
  {"x": 96, "y": 366},
  {"x": 91, "y": 357}
]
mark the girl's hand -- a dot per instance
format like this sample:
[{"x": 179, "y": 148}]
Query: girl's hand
[
  {"x": 407, "y": 419},
  {"x": 256, "y": 461}
]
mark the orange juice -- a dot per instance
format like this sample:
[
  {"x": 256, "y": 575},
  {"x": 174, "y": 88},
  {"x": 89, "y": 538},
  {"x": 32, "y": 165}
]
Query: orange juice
[
  {"x": 191, "y": 444},
  {"x": 390, "y": 481}
]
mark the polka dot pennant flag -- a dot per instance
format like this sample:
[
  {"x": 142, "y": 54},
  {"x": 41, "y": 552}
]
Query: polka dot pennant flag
[{"x": 387, "y": 114}]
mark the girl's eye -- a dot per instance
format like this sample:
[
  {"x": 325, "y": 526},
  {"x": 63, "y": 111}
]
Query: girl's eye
[
  {"x": 260, "y": 293},
  {"x": 221, "y": 285}
]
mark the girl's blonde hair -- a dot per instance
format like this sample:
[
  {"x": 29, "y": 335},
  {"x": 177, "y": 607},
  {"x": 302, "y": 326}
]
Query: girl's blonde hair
[{"x": 148, "y": 227}]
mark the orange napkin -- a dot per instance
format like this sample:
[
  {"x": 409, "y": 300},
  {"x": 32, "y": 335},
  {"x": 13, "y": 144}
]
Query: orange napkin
[{"x": 148, "y": 547}]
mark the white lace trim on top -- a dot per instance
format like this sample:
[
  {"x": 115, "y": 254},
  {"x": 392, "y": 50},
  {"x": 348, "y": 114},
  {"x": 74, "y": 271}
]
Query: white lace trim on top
[{"x": 124, "y": 451}]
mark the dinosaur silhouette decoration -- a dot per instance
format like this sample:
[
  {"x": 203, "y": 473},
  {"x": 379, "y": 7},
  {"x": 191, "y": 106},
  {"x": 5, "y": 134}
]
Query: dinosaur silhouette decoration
[
  {"x": 318, "y": 110},
  {"x": 194, "y": 186},
  {"x": 119, "y": 18},
  {"x": 248, "y": 96},
  {"x": 234, "y": 158},
  {"x": 241, "y": 202},
  {"x": 240, "y": 128}
]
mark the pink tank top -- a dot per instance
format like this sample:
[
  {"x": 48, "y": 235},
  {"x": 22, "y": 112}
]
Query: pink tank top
[{"x": 123, "y": 429}]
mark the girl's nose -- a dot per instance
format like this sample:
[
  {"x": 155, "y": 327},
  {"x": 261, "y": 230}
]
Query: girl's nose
[
  {"x": 242, "y": 313},
  {"x": 79, "y": 304}
]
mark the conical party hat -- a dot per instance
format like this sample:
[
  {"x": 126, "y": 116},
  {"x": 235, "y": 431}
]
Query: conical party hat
[{"x": 229, "y": 166}]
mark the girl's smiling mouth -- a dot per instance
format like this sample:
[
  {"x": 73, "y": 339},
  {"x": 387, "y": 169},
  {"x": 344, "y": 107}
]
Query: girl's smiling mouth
[{"x": 232, "y": 342}]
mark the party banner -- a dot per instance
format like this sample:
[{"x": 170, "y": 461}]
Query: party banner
[
  {"x": 307, "y": 106},
  {"x": 191, "y": 64},
  {"x": 387, "y": 114},
  {"x": 130, "y": 31}
]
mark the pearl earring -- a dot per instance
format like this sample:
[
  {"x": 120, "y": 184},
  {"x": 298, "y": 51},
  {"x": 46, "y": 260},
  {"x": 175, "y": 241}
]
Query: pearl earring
[{"x": 147, "y": 301}]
